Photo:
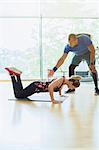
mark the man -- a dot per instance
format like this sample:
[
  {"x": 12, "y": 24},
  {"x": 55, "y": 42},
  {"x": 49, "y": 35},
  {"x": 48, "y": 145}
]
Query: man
[{"x": 83, "y": 49}]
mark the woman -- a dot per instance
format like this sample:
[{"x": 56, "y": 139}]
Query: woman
[{"x": 40, "y": 86}]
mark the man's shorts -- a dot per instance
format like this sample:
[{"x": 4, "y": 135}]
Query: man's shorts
[{"x": 78, "y": 58}]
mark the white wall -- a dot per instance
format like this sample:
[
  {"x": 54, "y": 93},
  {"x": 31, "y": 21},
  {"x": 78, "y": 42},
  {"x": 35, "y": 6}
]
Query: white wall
[
  {"x": 70, "y": 9},
  {"x": 49, "y": 8},
  {"x": 19, "y": 9}
]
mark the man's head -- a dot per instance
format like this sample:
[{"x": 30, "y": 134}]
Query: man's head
[{"x": 73, "y": 40}]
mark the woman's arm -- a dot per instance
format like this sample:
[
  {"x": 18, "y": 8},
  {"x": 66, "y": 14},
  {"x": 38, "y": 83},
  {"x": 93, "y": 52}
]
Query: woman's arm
[
  {"x": 60, "y": 92},
  {"x": 51, "y": 93},
  {"x": 52, "y": 86}
]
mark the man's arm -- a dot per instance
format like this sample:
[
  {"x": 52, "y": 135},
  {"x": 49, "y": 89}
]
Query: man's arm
[
  {"x": 59, "y": 63},
  {"x": 61, "y": 60}
]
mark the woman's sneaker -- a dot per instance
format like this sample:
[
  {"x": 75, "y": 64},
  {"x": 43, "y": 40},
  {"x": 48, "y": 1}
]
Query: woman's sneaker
[{"x": 13, "y": 71}]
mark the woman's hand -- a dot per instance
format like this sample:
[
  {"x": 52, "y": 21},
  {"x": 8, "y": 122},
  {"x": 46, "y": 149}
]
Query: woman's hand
[{"x": 56, "y": 102}]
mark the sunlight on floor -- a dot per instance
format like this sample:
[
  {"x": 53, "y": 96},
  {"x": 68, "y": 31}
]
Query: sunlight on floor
[{"x": 28, "y": 125}]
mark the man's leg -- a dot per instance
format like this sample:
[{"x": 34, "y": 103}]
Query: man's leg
[
  {"x": 71, "y": 69},
  {"x": 75, "y": 62},
  {"x": 94, "y": 75},
  {"x": 95, "y": 79}
]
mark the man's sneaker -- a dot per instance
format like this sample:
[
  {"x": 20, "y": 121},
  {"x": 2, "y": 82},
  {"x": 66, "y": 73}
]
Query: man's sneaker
[
  {"x": 13, "y": 71},
  {"x": 97, "y": 92},
  {"x": 70, "y": 91}
]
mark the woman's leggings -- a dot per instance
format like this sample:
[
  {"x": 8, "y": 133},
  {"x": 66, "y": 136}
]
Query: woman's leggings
[{"x": 19, "y": 92}]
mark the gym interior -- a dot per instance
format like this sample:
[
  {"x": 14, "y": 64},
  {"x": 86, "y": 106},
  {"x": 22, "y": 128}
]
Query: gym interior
[{"x": 33, "y": 34}]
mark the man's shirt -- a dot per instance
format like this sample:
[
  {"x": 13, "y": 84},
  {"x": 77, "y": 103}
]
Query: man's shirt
[{"x": 82, "y": 47}]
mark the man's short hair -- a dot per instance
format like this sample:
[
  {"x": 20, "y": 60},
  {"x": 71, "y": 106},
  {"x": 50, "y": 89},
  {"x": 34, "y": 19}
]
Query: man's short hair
[{"x": 72, "y": 36}]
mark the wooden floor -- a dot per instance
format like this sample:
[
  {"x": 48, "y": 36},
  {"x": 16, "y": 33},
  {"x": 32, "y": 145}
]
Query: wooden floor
[{"x": 72, "y": 125}]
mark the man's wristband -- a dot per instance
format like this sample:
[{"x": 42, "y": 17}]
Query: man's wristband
[{"x": 55, "y": 68}]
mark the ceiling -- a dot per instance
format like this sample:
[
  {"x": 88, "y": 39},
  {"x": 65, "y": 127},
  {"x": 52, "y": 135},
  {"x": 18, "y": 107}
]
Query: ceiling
[{"x": 50, "y": 8}]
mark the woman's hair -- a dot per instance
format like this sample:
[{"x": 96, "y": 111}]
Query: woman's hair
[{"x": 76, "y": 82}]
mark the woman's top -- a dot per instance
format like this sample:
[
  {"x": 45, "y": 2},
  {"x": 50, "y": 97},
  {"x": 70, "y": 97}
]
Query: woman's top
[{"x": 43, "y": 86}]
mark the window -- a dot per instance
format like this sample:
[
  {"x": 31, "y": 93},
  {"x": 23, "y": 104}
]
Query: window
[
  {"x": 19, "y": 46},
  {"x": 35, "y": 44}
]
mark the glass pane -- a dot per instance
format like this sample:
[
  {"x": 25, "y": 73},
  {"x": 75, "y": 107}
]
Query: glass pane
[{"x": 19, "y": 46}]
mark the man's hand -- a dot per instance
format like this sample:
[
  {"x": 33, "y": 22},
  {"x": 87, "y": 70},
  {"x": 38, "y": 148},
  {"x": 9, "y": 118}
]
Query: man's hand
[
  {"x": 50, "y": 73},
  {"x": 92, "y": 68}
]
